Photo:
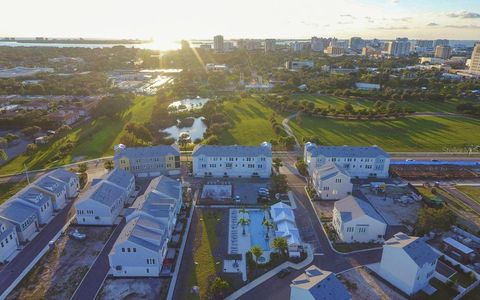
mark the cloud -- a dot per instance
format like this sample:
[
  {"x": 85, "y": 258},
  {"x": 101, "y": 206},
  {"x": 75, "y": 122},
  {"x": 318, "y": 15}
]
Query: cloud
[
  {"x": 404, "y": 19},
  {"x": 464, "y": 15},
  {"x": 432, "y": 24},
  {"x": 394, "y": 1},
  {"x": 344, "y": 23},
  {"x": 392, "y": 28},
  {"x": 471, "y": 26},
  {"x": 348, "y": 16}
]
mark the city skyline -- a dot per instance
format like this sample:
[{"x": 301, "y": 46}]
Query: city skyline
[{"x": 383, "y": 19}]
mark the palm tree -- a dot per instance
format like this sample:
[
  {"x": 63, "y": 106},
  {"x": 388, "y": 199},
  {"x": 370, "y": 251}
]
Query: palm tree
[
  {"x": 280, "y": 244},
  {"x": 243, "y": 211},
  {"x": 257, "y": 252},
  {"x": 265, "y": 209},
  {"x": 3, "y": 155},
  {"x": 108, "y": 164},
  {"x": 244, "y": 222},
  {"x": 268, "y": 224},
  {"x": 277, "y": 163}
]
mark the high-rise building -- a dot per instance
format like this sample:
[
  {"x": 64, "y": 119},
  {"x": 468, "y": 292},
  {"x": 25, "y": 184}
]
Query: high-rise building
[
  {"x": 399, "y": 47},
  {"x": 218, "y": 43},
  {"x": 424, "y": 43},
  {"x": 319, "y": 44},
  {"x": 440, "y": 43},
  {"x": 443, "y": 52},
  {"x": 475, "y": 60},
  {"x": 270, "y": 45},
  {"x": 356, "y": 43},
  {"x": 334, "y": 51}
]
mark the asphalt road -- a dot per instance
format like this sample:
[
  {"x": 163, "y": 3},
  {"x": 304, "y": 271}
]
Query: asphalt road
[
  {"x": 12, "y": 270},
  {"x": 325, "y": 258},
  {"x": 93, "y": 280}
]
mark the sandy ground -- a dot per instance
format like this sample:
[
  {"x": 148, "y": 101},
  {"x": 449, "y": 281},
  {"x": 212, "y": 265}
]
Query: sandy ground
[
  {"x": 367, "y": 286},
  {"x": 324, "y": 207},
  {"x": 394, "y": 213},
  {"x": 134, "y": 288},
  {"x": 58, "y": 273}
]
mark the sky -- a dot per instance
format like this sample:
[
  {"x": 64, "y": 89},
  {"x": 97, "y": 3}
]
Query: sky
[{"x": 200, "y": 19}]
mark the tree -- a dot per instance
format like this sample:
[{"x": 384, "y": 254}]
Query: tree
[
  {"x": 82, "y": 168},
  {"x": 243, "y": 222},
  {"x": 31, "y": 148},
  {"x": 3, "y": 142},
  {"x": 64, "y": 128},
  {"x": 243, "y": 211},
  {"x": 257, "y": 252},
  {"x": 277, "y": 163},
  {"x": 3, "y": 155},
  {"x": 108, "y": 164},
  {"x": 279, "y": 183},
  {"x": 434, "y": 219},
  {"x": 30, "y": 131},
  {"x": 219, "y": 287},
  {"x": 280, "y": 244},
  {"x": 268, "y": 224}
]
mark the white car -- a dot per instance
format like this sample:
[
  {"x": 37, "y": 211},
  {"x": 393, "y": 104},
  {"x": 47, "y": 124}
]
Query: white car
[{"x": 77, "y": 235}]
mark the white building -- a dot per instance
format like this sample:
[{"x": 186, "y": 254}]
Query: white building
[
  {"x": 331, "y": 182},
  {"x": 39, "y": 201},
  {"x": 361, "y": 162},
  {"x": 408, "y": 263},
  {"x": 232, "y": 161},
  {"x": 299, "y": 64},
  {"x": 8, "y": 240},
  {"x": 316, "y": 284},
  {"x": 23, "y": 217},
  {"x": 140, "y": 249},
  {"x": 103, "y": 202},
  {"x": 356, "y": 221},
  {"x": 55, "y": 188},
  {"x": 70, "y": 179},
  {"x": 399, "y": 47},
  {"x": 285, "y": 226},
  {"x": 475, "y": 60}
]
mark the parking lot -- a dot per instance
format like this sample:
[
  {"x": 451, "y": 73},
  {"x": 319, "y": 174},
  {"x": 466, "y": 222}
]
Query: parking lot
[{"x": 246, "y": 190}]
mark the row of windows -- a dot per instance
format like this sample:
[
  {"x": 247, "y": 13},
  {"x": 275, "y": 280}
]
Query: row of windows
[
  {"x": 6, "y": 240},
  {"x": 148, "y": 167},
  {"x": 27, "y": 222},
  {"x": 360, "y": 229},
  {"x": 229, "y": 165},
  {"x": 231, "y": 159},
  {"x": 351, "y": 159},
  {"x": 45, "y": 206},
  {"x": 129, "y": 249},
  {"x": 85, "y": 212}
]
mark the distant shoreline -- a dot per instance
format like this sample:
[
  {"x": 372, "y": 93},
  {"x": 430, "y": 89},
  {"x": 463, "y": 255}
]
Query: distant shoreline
[{"x": 77, "y": 41}]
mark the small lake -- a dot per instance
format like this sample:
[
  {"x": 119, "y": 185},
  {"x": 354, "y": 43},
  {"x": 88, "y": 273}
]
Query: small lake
[
  {"x": 196, "y": 131},
  {"x": 188, "y": 104}
]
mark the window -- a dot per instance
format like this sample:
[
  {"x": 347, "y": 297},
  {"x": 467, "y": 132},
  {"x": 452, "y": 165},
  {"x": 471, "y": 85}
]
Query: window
[
  {"x": 128, "y": 249},
  {"x": 123, "y": 249},
  {"x": 134, "y": 249},
  {"x": 338, "y": 180}
]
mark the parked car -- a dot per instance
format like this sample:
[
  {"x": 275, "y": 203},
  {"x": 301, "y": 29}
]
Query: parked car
[
  {"x": 77, "y": 235},
  {"x": 284, "y": 272}
]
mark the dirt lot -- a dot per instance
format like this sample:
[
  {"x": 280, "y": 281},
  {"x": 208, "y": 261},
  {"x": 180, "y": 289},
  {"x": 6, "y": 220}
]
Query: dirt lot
[
  {"x": 58, "y": 273},
  {"x": 362, "y": 285},
  {"x": 134, "y": 288},
  {"x": 393, "y": 212},
  {"x": 324, "y": 208}
]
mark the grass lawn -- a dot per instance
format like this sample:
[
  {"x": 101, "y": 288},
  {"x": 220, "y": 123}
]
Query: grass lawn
[
  {"x": 8, "y": 189},
  {"x": 443, "y": 291},
  {"x": 462, "y": 279},
  {"x": 324, "y": 101},
  {"x": 250, "y": 120},
  {"x": 471, "y": 191},
  {"x": 428, "y": 133},
  {"x": 94, "y": 138}
]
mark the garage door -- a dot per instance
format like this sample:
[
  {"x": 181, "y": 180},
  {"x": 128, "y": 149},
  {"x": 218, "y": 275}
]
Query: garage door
[{"x": 142, "y": 174}]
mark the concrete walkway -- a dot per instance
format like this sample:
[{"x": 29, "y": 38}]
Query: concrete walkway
[{"x": 272, "y": 273}]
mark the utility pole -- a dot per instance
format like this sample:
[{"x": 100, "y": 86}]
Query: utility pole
[{"x": 26, "y": 173}]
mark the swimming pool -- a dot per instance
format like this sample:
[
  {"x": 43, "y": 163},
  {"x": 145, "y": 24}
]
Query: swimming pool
[{"x": 257, "y": 230}]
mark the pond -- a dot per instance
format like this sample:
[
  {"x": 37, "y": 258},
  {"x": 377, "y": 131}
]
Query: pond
[
  {"x": 188, "y": 104},
  {"x": 195, "y": 131}
]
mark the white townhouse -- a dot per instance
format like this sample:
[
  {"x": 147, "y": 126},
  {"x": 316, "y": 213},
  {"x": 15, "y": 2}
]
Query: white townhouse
[
  {"x": 331, "y": 182},
  {"x": 285, "y": 226},
  {"x": 165, "y": 190},
  {"x": 408, "y": 263},
  {"x": 359, "y": 162},
  {"x": 70, "y": 179},
  {"x": 232, "y": 161},
  {"x": 157, "y": 208},
  {"x": 23, "y": 217},
  {"x": 55, "y": 188},
  {"x": 148, "y": 161},
  {"x": 8, "y": 240},
  {"x": 316, "y": 284},
  {"x": 355, "y": 220},
  {"x": 140, "y": 249},
  {"x": 39, "y": 201},
  {"x": 104, "y": 201}
]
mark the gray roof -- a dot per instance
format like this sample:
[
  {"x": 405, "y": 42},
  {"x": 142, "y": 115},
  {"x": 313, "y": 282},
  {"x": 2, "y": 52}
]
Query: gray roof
[
  {"x": 105, "y": 193},
  {"x": 321, "y": 284},
  {"x": 8, "y": 229},
  {"x": 352, "y": 207},
  {"x": 164, "y": 186},
  {"x": 234, "y": 150},
  {"x": 330, "y": 170},
  {"x": 62, "y": 174},
  {"x": 346, "y": 151},
  {"x": 33, "y": 196},
  {"x": 50, "y": 184},
  {"x": 152, "y": 151},
  {"x": 416, "y": 248},
  {"x": 119, "y": 177},
  {"x": 16, "y": 212},
  {"x": 144, "y": 231}
]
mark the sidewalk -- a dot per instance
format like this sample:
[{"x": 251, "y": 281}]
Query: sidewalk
[{"x": 272, "y": 273}]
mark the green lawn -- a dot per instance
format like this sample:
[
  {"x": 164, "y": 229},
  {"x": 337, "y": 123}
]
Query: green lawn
[
  {"x": 8, "y": 189},
  {"x": 407, "y": 134},
  {"x": 94, "y": 138},
  {"x": 324, "y": 101},
  {"x": 471, "y": 191},
  {"x": 250, "y": 121}
]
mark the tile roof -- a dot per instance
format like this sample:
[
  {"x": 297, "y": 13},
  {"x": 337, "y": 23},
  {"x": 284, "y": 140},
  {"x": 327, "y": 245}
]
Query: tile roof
[
  {"x": 416, "y": 248},
  {"x": 232, "y": 151},
  {"x": 321, "y": 284},
  {"x": 346, "y": 151},
  {"x": 352, "y": 207},
  {"x": 152, "y": 151}
]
